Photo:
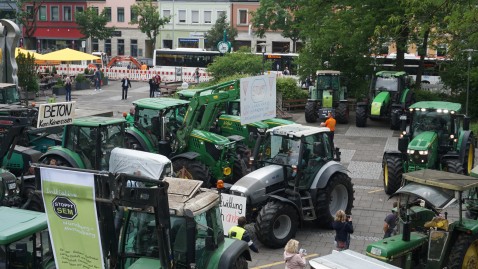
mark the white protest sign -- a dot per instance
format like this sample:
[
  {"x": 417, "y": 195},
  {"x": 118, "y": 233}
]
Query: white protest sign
[
  {"x": 258, "y": 98},
  {"x": 56, "y": 114},
  {"x": 232, "y": 207}
]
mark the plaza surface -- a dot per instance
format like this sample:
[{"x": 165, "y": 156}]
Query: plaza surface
[{"x": 362, "y": 150}]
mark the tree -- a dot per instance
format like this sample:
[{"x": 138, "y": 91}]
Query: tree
[
  {"x": 149, "y": 20},
  {"x": 216, "y": 33},
  {"x": 27, "y": 74},
  {"x": 93, "y": 25},
  {"x": 28, "y": 19},
  {"x": 240, "y": 62}
]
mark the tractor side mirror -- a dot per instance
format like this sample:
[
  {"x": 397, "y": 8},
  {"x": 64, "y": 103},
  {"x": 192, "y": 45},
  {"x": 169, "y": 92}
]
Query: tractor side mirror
[{"x": 466, "y": 123}]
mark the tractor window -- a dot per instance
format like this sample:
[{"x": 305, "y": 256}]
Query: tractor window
[
  {"x": 283, "y": 150},
  {"x": 179, "y": 239},
  {"x": 144, "y": 117},
  {"x": 112, "y": 136},
  {"x": 20, "y": 253},
  {"x": 12, "y": 95},
  {"x": 234, "y": 108},
  {"x": 386, "y": 84},
  {"x": 141, "y": 237},
  {"x": 325, "y": 82},
  {"x": 431, "y": 121},
  {"x": 201, "y": 235}
]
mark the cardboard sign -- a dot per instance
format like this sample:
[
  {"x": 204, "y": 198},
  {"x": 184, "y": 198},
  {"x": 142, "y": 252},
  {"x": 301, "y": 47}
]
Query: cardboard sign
[
  {"x": 56, "y": 114},
  {"x": 258, "y": 98},
  {"x": 232, "y": 207},
  {"x": 69, "y": 199}
]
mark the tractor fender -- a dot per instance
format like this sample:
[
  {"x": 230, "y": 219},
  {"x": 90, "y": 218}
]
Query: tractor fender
[
  {"x": 325, "y": 173},
  {"x": 464, "y": 139},
  {"x": 187, "y": 155},
  {"x": 70, "y": 156},
  {"x": 141, "y": 138},
  {"x": 230, "y": 254},
  {"x": 287, "y": 201}
]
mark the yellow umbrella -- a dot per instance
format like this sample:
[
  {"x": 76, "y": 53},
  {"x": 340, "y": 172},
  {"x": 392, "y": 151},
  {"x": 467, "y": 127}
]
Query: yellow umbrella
[
  {"x": 68, "y": 55},
  {"x": 37, "y": 56}
]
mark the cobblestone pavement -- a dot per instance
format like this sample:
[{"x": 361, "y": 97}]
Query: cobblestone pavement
[{"x": 362, "y": 150}]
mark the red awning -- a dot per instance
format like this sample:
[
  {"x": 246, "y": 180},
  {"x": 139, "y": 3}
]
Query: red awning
[{"x": 58, "y": 33}]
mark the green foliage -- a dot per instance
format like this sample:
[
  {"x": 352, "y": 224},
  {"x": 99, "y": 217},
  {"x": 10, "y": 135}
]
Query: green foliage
[
  {"x": 27, "y": 72},
  {"x": 474, "y": 127},
  {"x": 93, "y": 24},
  {"x": 86, "y": 71},
  {"x": 235, "y": 63},
  {"x": 148, "y": 19},
  {"x": 53, "y": 70},
  {"x": 289, "y": 89},
  {"x": 47, "y": 70},
  {"x": 216, "y": 33},
  {"x": 80, "y": 78}
]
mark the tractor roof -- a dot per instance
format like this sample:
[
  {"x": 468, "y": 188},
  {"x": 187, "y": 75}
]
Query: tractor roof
[
  {"x": 97, "y": 121},
  {"x": 328, "y": 72},
  {"x": 297, "y": 130},
  {"x": 437, "y": 105},
  {"x": 442, "y": 179},
  {"x": 6, "y": 85},
  {"x": 187, "y": 194},
  {"x": 159, "y": 103},
  {"x": 391, "y": 73},
  {"x": 18, "y": 223}
]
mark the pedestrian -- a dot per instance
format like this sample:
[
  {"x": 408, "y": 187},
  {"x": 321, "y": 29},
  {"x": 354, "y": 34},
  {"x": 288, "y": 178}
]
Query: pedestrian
[
  {"x": 286, "y": 71},
  {"x": 97, "y": 76},
  {"x": 343, "y": 228},
  {"x": 144, "y": 66},
  {"x": 239, "y": 232},
  {"x": 130, "y": 117},
  {"x": 197, "y": 75},
  {"x": 68, "y": 88},
  {"x": 293, "y": 257},
  {"x": 330, "y": 123},
  {"x": 390, "y": 222},
  {"x": 152, "y": 87},
  {"x": 125, "y": 84}
]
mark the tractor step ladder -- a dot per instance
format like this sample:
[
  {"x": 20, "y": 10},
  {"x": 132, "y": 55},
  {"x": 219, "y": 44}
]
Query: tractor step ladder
[{"x": 308, "y": 210}]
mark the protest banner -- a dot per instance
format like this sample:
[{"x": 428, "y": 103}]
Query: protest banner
[
  {"x": 232, "y": 207},
  {"x": 55, "y": 114},
  {"x": 258, "y": 98}
]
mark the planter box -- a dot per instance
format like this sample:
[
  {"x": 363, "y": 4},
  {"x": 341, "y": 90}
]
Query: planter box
[
  {"x": 59, "y": 91},
  {"x": 83, "y": 85},
  {"x": 104, "y": 81}
]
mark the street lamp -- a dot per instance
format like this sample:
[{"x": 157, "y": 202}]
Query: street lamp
[
  {"x": 468, "y": 80},
  {"x": 263, "y": 49}
]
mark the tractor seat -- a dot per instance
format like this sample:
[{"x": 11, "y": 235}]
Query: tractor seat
[{"x": 437, "y": 222}]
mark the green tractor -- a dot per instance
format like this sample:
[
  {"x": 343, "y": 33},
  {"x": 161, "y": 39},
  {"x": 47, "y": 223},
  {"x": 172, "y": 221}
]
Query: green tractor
[
  {"x": 9, "y": 94},
  {"x": 87, "y": 143},
  {"x": 389, "y": 98},
  {"x": 438, "y": 137},
  {"x": 429, "y": 239},
  {"x": 327, "y": 96},
  {"x": 24, "y": 240},
  {"x": 299, "y": 180}
]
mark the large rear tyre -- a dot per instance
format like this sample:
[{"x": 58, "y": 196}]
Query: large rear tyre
[
  {"x": 464, "y": 252},
  {"x": 192, "y": 169},
  {"x": 454, "y": 166},
  {"x": 469, "y": 160},
  {"x": 311, "y": 112},
  {"x": 55, "y": 160},
  {"x": 337, "y": 195},
  {"x": 276, "y": 224},
  {"x": 342, "y": 113},
  {"x": 240, "y": 263},
  {"x": 361, "y": 116},
  {"x": 392, "y": 173}
]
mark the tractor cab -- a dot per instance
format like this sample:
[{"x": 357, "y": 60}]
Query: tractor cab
[
  {"x": 391, "y": 82},
  {"x": 9, "y": 94}
]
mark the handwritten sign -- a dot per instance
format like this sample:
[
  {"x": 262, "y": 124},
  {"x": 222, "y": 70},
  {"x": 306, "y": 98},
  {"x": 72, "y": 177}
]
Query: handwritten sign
[
  {"x": 232, "y": 207},
  {"x": 258, "y": 98},
  {"x": 56, "y": 114}
]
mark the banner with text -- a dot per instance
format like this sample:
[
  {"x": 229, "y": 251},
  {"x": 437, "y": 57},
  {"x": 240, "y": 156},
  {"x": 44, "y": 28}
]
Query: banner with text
[
  {"x": 258, "y": 98},
  {"x": 69, "y": 199},
  {"x": 232, "y": 207},
  {"x": 56, "y": 114}
]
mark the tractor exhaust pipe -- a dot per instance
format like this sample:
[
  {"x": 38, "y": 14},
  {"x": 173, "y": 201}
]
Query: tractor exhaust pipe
[{"x": 406, "y": 228}]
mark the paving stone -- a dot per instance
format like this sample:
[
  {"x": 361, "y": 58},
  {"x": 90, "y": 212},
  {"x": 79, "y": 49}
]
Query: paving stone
[
  {"x": 365, "y": 169},
  {"x": 368, "y": 132}
]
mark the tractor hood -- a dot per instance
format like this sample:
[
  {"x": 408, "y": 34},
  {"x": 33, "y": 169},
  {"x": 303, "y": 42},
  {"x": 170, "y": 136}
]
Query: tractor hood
[
  {"x": 146, "y": 263},
  {"x": 379, "y": 101},
  {"x": 274, "y": 122},
  {"x": 210, "y": 137},
  {"x": 254, "y": 184},
  {"x": 230, "y": 119},
  {"x": 423, "y": 141},
  {"x": 393, "y": 247}
]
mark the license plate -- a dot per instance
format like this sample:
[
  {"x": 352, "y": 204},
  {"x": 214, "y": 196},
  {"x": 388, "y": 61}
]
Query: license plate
[{"x": 12, "y": 186}]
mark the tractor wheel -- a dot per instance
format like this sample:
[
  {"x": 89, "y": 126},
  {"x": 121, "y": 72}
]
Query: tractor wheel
[
  {"x": 342, "y": 113},
  {"x": 311, "y": 112},
  {"x": 392, "y": 173},
  {"x": 240, "y": 163},
  {"x": 240, "y": 263},
  {"x": 464, "y": 252},
  {"x": 192, "y": 169},
  {"x": 59, "y": 161},
  {"x": 469, "y": 160},
  {"x": 394, "y": 122},
  {"x": 337, "y": 195},
  {"x": 132, "y": 143},
  {"x": 454, "y": 166},
  {"x": 276, "y": 223},
  {"x": 361, "y": 116}
]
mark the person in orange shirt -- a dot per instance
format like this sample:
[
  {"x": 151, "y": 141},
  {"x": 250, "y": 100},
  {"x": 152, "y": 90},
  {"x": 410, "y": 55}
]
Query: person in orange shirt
[{"x": 330, "y": 123}]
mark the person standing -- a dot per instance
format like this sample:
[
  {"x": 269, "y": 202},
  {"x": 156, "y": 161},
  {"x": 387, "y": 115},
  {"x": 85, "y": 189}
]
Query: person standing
[
  {"x": 330, "y": 123},
  {"x": 130, "y": 117},
  {"x": 125, "y": 84},
  {"x": 343, "y": 228},
  {"x": 293, "y": 257},
  {"x": 390, "y": 222},
  {"x": 239, "y": 232},
  {"x": 197, "y": 75},
  {"x": 152, "y": 87},
  {"x": 97, "y": 80},
  {"x": 68, "y": 88},
  {"x": 286, "y": 71}
]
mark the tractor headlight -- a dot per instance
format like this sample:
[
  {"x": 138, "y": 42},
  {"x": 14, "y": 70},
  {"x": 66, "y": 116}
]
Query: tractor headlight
[
  {"x": 452, "y": 136},
  {"x": 445, "y": 111},
  {"x": 410, "y": 151},
  {"x": 220, "y": 147},
  {"x": 439, "y": 111},
  {"x": 227, "y": 171},
  {"x": 423, "y": 152}
]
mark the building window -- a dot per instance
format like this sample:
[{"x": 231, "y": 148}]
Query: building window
[
  {"x": 207, "y": 16},
  {"x": 120, "y": 14},
  {"x": 96, "y": 10},
  {"x": 167, "y": 44},
  {"x": 55, "y": 14},
  {"x": 30, "y": 12},
  {"x": 166, "y": 13},
  {"x": 108, "y": 13},
  {"x": 67, "y": 13},
  {"x": 120, "y": 47},
  {"x": 188, "y": 43},
  {"x": 134, "y": 48},
  {"x": 182, "y": 16},
  {"x": 221, "y": 13},
  {"x": 95, "y": 44},
  {"x": 242, "y": 18},
  {"x": 42, "y": 14},
  {"x": 441, "y": 50},
  {"x": 242, "y": 43},
  {"x": 383, "y": 49},
  {"x": 195, "y": 16},
  {"x": 78, "y": 9},
  {"x": 108, "y": 47}
]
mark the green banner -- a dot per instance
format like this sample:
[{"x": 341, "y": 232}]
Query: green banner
[{"x": 69, "y": 198}]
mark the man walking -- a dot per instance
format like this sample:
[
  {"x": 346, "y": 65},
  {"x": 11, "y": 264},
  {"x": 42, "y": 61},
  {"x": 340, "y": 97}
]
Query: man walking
[
  {"x": 125, "y": 84},
  {"x": 97, "y": 80},
  {"x": 68, "y": 88},
  {"x": 330, "y": 123},
  {"x": 238, "y": 232}
]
